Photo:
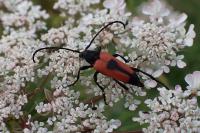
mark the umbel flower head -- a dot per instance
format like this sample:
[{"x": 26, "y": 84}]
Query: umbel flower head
[
  {"x": 35, "y": 97},
  {"x": 158, "y": 35},
  {"x": 174, "y": 110}
]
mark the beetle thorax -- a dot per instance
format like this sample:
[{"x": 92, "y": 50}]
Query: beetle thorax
[{"x": 90, "y": 56}]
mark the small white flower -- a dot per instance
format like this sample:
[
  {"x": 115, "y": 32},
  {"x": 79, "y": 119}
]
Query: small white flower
[
  {"x": 193, "y": 80},
  {"x": 156, "y": 9},
  {"x": 177, "y": 20},
  {"x": 115, "y": 5},
  {"x": 132, "y": 107},
  {"x": 174, "y": 116},
  {"x": 150, "y": 83},
  {"x": 190, "y": 35}
]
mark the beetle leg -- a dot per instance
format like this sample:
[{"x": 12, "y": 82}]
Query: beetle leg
[
  {"x": 102, "y": 89},
  {"x": 122, "y": 85},
  {"x": 116, "y": 55},
  {"x": 78, "y": 76}
]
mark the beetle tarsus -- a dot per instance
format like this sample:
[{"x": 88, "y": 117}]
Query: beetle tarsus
[{"x": 122, "y": 85}]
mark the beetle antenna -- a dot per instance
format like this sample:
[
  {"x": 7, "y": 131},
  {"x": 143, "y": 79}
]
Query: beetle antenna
[
  {"x": 120, "y": 22},
  {"x": 57, "y": 48},
  {"x": 151, "y": 77}
]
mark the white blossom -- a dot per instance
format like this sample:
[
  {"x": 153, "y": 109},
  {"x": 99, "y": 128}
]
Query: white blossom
[
  {"x": 159, "y": 36},
  {"x": 23, "y": 15},
  {"x": 74, "y": 6},
  {"x": 172, "y": 111},
  {"x": 56, "y": 36},
  {"x": 193, "y": 81},
  {"x": 115, "y": 5},
  {"x": 33, "y": 90},
  {"x": 156, "y": 9}
]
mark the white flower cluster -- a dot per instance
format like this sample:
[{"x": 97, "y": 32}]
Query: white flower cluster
[
  {"x": 70, "y": 115},
  {"x": 151, "y": 41},
  {"x": 174, "y": 110},
  {"x": 158, "y": 35},
  {"x": 114, "y": 92},
  {"x": 91, "y": 121},
  {"x": 22, "y": 15},
  {"x": 20, "y": 20},
  {"x": 65, "y": 64},
  {"x": 56, "y": 36},
  {"x": 73, "y": 7},
  {"x": 14, "y": 108},
  {"x": 155, "y": 39}
]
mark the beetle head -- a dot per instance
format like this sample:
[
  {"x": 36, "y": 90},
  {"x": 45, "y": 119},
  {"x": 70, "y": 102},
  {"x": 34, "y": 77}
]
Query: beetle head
[{"x": 90, "y": 55}]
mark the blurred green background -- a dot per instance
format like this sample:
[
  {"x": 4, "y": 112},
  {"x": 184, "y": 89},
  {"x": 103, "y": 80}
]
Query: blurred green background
[{"x": 176, "y": 76}]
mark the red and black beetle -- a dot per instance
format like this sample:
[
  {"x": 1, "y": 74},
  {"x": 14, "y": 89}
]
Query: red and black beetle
[{"x": 107, "y": 64}]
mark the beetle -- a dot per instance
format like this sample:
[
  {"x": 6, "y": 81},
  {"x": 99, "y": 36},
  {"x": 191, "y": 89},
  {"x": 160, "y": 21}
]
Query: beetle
[{"x": 107, "y": 64}]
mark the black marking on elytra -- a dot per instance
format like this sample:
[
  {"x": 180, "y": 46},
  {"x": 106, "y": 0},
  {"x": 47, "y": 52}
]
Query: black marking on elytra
[
  {"x": 112, "y": 65},
  {"x": 134, "y": 80}
]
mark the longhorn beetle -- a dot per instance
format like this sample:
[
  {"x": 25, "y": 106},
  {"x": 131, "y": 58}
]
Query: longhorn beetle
[{"x": 107, "y": 64}]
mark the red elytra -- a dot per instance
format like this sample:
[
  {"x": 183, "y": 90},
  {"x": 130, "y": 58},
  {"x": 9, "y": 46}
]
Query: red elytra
[{"x": 101, "y": 65}]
